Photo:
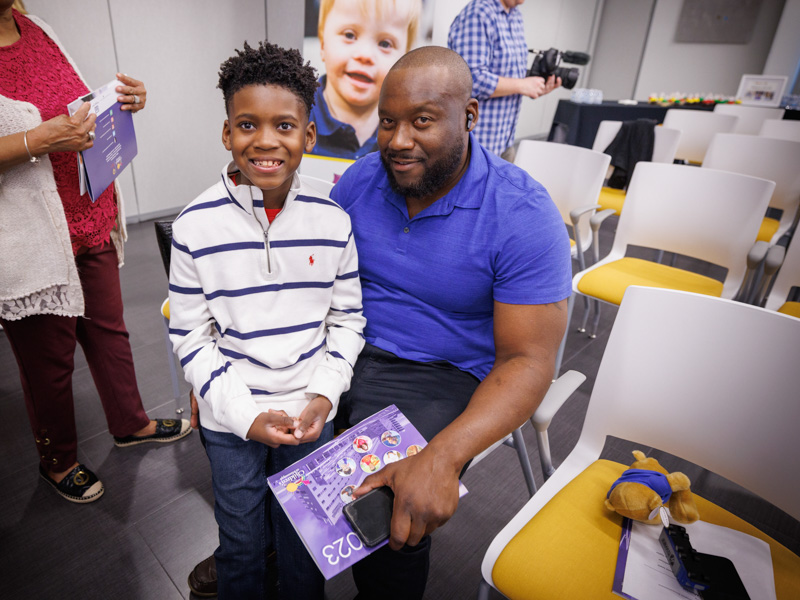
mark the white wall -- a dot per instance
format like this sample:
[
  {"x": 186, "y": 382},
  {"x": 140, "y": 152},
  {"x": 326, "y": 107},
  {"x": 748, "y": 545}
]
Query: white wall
[
  {"x": 784, "y": 56},
  {"x": 702, "y": 68},
  {"x": 176, "y": 48}
]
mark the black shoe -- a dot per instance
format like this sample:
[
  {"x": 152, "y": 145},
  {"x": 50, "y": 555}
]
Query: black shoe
[
  {"x": 79, "y": 485},
  {"x": 167, "y": 430},
  {"x": 203, "y": 578}
]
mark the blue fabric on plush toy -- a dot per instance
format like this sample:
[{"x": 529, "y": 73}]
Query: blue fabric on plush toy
[{"x": 653, "y": 479}]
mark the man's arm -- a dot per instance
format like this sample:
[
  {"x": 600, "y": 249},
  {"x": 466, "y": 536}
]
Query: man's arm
[{"x": 426, "y": 485}]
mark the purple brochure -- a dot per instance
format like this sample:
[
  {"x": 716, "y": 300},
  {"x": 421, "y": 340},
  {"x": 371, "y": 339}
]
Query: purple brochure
[
  {"x": 314, "y": 490},
  {"x": 115, "y": 140}
]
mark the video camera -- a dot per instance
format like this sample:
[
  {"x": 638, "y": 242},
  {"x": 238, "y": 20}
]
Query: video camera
[{"x": 547, "y": 63}]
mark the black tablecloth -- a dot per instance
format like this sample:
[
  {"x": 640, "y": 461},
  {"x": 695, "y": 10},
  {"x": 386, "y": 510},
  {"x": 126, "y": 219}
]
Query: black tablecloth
[{"x": 577, "y": 124}]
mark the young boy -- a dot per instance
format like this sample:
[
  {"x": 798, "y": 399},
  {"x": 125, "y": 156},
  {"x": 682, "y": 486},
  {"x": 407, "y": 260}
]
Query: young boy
[
  {"x": 360, "y": 41},
  {"x": 265, "y": 315}
]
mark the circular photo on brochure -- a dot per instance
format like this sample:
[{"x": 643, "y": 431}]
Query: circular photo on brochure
[
  {"x": 346, "y": 467},
  {"x": 347, "y": 493},
  {"x": 390, "y": 438},
  {"x": 413, "y": 449},
  {"x": 392, "y": 456},
  {"x": 362, "y": 444},
  {"x": 370, "y": 463}
]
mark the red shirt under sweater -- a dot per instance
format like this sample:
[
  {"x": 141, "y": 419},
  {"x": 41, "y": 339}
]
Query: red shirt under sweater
[{"x": 34, "y": 70}]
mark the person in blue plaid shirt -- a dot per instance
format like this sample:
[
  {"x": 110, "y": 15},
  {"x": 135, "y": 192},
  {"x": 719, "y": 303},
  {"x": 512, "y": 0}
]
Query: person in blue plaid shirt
[{"x": 490, "y": 36}]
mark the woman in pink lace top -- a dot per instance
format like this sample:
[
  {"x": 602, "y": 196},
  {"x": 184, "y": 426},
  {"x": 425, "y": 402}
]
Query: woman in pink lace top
[{"x": 59, "y": 277}]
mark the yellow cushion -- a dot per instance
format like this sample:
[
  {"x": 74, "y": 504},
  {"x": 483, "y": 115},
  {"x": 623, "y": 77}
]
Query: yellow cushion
[
  {"x": 610, "y": 281},
  {"x": 571, "y": 242},
  {"x": 767, "y": 230},
  {"x": 165, "y": 310},
  {"x": 569, "y": 549},
  {"x": 612, "y": 198},
  {"x": 791, "y": 308}
]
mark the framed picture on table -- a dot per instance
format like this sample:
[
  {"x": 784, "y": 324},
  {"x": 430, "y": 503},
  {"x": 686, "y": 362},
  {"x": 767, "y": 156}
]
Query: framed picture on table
[{"x": 761, "y": 90}]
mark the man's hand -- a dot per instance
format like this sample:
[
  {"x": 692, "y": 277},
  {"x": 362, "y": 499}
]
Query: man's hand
[
  {"x": 309, "y": 424},
  {"x": 535, "y": 87},
  {"x": 426, "y": 495},
  {"x": 194, "y": 420},
  {"x": 273, "y": 428}
]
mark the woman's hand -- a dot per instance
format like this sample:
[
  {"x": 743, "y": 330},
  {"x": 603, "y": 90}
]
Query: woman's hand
[
  {"x": 134, "y": 93},
  {"x": 64, "y": 133}
]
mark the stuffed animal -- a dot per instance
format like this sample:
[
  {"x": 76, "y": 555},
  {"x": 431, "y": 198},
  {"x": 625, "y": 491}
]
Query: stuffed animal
[{"x": 645, "y": 487}]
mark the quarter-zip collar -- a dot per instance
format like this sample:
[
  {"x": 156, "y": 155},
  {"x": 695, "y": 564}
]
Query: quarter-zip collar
[{"x": 250, "y": 198}]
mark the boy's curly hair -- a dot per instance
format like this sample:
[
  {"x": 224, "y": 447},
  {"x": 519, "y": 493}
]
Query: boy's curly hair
[{"x": 268, "y": 65}]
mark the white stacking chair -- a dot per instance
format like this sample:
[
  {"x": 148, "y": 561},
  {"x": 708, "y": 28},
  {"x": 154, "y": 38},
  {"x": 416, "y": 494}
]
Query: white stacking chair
[
  {"x": 665, "y": 145},
  {"x": 768, "y": 158},
  {"x": 698, "y": 128},
  {"x": 750, "y": 117},
  {"x": 704, "y": 214},
  {"x": 730, "y": 370},
  {"x": 573, "y": 177},
  {"x": 781, "y": 129},
  {"x": 788, "y": 277}
]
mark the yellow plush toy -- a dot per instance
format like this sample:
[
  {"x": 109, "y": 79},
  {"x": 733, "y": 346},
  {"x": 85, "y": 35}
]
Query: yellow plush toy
[{"x": 645, "y": 487}]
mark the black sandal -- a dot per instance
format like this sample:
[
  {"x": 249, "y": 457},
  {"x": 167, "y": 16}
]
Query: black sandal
[
  {"x": 167, "y": 430},
  {"x": 79, "y": 485}
]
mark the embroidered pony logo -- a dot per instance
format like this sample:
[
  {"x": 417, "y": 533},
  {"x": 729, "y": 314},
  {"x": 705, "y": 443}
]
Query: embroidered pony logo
[{"x": 311, "y": 261}]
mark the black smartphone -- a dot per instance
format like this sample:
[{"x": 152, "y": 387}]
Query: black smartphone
[{"x": 371, "y": 515}]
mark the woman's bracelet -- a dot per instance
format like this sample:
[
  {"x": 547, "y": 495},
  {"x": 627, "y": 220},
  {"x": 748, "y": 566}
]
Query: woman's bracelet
[{"x": 34, "y": 159}]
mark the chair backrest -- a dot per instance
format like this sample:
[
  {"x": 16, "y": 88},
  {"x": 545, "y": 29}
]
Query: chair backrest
[
  {"x": 664, "y": 146},
  {"x": 712, "y": 381},
  {"x": 573, "y": 176},
  {"x": 768, "y": 158},
  {"x": 750, "y": 117},
  {"x": 164, "y": 239},
  {"x": 788, "y": 277},
  {"x": 781, "y": 129},
  {"x": 697, "y": 128},
  {"x": 703, "y": 213}
]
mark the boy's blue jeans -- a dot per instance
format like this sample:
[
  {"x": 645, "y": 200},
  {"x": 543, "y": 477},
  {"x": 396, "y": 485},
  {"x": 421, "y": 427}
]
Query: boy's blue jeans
[{"x": 251, "y": 522}]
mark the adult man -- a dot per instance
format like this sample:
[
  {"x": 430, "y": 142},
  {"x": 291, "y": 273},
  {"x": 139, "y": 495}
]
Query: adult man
[
  {"x": 465, "y": 270},
  {"x": 490, "y": 36}
]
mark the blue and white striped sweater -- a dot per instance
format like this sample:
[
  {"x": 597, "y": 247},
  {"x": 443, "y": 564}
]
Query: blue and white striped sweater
[{"x": 263, "y": 316}]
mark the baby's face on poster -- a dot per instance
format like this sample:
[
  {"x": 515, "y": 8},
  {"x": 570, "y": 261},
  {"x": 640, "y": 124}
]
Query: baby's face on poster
[{"x": 359, "y": 47}]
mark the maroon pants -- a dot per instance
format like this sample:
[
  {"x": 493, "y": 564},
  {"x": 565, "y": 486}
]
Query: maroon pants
[{"x": 44, "y": 346}]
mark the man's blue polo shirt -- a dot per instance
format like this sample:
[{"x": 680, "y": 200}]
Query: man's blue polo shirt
[
  {"x": 334, "y": 137},
  {"x": 429, "y": 283}
]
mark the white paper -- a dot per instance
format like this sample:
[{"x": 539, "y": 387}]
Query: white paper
[{"x": 649, "y": 577}]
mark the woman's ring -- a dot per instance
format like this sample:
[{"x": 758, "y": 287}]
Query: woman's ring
[
  {"x": 135, "y": 99},
  {"x": 91, "y": 135}
]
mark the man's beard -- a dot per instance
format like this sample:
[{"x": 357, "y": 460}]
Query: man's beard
[{"x": 434, "y": 177}]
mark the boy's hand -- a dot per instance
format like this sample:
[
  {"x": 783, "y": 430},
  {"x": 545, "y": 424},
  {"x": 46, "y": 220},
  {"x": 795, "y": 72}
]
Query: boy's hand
[
  {"x": 194, "y": 419},
  {"x": 309, "y": 424},
  {"x": 273, "y": 429}
]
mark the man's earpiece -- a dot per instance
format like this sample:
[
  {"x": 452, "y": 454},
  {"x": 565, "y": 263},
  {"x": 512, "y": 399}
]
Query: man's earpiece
[{"x": 470, "y": 116}]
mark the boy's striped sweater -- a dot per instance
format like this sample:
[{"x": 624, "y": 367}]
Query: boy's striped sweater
[{"x": 263, "y": 315}]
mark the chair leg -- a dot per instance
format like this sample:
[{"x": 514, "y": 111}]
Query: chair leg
[
  {"x": 587, "y": 309},
  {"x": 596, "y": 319},
  {"x": 173, "y": 371},
  {"x": 562, "y": 345},
  {"x": 524, "y": 460},
  {"x": 484, "y": 590}
]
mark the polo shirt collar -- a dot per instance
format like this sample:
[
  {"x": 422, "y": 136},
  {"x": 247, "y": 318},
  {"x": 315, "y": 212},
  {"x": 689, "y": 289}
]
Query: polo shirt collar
[
  {"x": 467, "y": 193},
  {"x": 326, "y": 124}
]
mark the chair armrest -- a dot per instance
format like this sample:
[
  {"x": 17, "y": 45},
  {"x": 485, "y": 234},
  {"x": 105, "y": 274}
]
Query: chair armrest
[
  {"x": 577, "y": 213},
  {"x": 749, "y": 286},
  {"x": 772, "y": 263},
  {"x": 574, "y": 217},
  {"x": 595, "y": 222},
  {"x": 560, "y": 390}
]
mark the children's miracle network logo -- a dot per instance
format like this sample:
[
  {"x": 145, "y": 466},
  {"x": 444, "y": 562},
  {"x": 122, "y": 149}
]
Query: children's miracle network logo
[{"x": 293, "y": 481}]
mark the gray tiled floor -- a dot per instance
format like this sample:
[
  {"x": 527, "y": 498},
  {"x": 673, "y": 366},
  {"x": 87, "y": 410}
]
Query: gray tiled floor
[{"x": 156, "y": 519}]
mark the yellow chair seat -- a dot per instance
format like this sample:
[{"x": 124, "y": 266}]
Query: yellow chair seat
[
  {"x": 767, "y": 230},
  {"x": 610, "y": 281},
  {"x": 791, "y": 308},
  {"x": 612, "y": 198},
  {"x": 569, "y": 549},
  {"x": 165, "y": 309},
  {"x": 571, "y": 242}
]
